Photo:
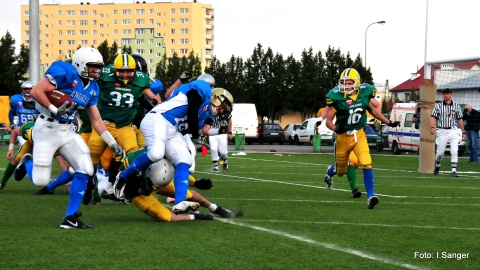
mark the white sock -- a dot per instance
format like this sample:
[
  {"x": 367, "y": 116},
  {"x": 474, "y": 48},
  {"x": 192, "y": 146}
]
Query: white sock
[{"x": 212, "y": 207}]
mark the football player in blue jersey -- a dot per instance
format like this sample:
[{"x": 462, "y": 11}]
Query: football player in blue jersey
[
  {"x": 22, "y": 106},
  {"x": 190, "y": 109},
  {"x": 53, "y": 129}
]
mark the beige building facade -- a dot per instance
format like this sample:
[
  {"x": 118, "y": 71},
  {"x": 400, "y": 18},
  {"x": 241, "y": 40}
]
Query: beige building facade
[{"x": 151, "y": 29}]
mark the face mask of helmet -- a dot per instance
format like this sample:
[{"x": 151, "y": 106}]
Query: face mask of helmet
[
  {"x": 349, "y": 81},
  {"x": 124, "y": 66},
  {"x": 88, "y": 57}
]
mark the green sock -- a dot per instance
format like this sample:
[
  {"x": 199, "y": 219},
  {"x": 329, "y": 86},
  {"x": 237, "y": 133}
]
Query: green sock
[
  {"x": 8, "y": 173},
  {"x": 352, "y": 177}
]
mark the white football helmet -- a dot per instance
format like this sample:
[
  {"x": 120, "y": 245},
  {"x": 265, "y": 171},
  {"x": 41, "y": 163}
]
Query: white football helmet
[
  {"x": 160, "y": 173},
  {"x": 26, "y": 88},
  {"x": 208, "y": 78},
  {"x": 88, "y": 56}
]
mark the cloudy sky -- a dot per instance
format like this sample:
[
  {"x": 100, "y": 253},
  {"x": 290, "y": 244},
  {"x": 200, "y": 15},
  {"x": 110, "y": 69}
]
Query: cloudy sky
[{"x": 394, "y": 50}]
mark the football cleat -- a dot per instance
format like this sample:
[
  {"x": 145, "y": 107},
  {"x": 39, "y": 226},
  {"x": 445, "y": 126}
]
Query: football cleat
[
  {"x": 454, "y": 174},
  {"x": 119, "y": 186},
  {"x": 223, "y": 212},
  {"x": 185, "y": 207},
  {"x": 201, "y": 216},
  {"x": 437, "y": 169},
  {"x": 73, "y": 222},
  {"x": 20, "y": 170},
  {"x": 356, "y": 193},
  {"x": 215, "y": 169},
  {"x": 329, "y": 176},
  {"x": 44, "y": 191},
  {"x": 372, "y": 201},
  {"x": 225, "y": 167}
]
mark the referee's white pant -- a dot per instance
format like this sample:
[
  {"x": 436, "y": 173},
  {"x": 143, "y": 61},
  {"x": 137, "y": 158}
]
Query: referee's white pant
[{"x": 444, "y": 136}]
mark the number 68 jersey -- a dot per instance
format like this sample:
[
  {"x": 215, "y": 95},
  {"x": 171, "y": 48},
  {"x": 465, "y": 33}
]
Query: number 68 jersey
[
  {"x": 118, "y": 102},
  {"x": 351, "y": 110}
]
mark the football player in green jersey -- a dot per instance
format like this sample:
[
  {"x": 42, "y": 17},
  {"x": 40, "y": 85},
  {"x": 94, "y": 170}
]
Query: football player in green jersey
[
  {"x": 120, "y": 88},
  {"x": 349, "y": 102}
]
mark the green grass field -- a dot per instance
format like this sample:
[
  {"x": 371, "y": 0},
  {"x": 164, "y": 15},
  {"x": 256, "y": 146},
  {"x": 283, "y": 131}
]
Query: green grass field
[{"x": 291, "y": 221}]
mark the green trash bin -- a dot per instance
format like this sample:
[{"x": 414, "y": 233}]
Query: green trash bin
[
  {"x": 316, "y": 142},
  {"x": 239, "y": 141}
]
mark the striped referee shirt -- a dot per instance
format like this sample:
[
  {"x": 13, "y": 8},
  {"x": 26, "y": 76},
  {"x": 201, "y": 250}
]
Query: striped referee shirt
[{"x": 447, "y": 115}]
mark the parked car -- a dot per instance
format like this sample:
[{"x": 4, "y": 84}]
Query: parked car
[
  {"x": 374, "y": 141},
  {"x": 290, "y": 132},
  {"x": 4, "y": 136},
  {"x": 383, "y": 132},
  {"x": 3, "y": 126},
  {"x": 304, "y": 133},
  {"x": 270, "y": 133}
]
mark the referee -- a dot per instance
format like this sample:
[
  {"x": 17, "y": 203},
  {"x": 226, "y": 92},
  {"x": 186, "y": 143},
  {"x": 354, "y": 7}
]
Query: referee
[{"x": 445, "y": 116}]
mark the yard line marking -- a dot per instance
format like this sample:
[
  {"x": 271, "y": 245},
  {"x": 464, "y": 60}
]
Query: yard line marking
[
  {"x": 364, "y": 224},
  {"x": 325, "y": 245}
]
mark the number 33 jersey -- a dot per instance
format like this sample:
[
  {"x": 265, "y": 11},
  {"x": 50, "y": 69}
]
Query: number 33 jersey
[{"x": 118, "y": 102}]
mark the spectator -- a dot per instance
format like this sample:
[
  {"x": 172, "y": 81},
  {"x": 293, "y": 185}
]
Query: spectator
[{"x": 472, "y": 127}]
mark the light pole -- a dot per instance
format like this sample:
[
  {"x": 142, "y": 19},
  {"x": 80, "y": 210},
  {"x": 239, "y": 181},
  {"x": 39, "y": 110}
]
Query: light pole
[{"x": 379, "y": 22}]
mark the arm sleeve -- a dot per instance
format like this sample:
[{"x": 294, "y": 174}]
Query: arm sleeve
[{"x": 194, "y": 102}]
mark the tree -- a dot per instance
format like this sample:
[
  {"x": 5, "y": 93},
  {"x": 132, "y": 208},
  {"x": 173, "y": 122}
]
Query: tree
[
  {"x": 104, "y": 51},
  {"x": 15, "y": 68}
]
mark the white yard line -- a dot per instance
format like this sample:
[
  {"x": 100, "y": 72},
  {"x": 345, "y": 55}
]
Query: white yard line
[{"x": 324, "y": 245}]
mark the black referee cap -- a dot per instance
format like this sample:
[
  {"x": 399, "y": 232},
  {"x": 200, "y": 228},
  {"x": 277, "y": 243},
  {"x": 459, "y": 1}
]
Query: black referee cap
[{"x": 446, "y": 90}]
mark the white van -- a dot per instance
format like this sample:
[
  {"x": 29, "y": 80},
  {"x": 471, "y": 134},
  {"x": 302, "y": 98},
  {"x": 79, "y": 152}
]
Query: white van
[
  {"x": 406, "y": 137},
  {"x": 245, "y": 121},
  {"x": 305, "y": 132}
]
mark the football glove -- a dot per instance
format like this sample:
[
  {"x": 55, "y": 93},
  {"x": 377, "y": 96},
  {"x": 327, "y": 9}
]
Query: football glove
[
  {"x": 185, "y": 76},
  {"x": 203, "y": 184},
  {"x": 339, "y": 129},
  {"x": 201, "y": 142},
  {"x": 118, "y": 151},
  {"x": 376, "y": 122},
  {"x": 394, "y": 124},
  {"x": 63, "y": 109}
]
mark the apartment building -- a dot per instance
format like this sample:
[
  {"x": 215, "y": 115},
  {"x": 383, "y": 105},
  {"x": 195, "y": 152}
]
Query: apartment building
[{"x": 151, "y": 29}]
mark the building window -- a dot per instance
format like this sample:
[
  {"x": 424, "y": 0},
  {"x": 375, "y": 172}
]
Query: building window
[
  {"x": 70, "y": 32},
  {"x": 94, "y": 12},
  {"x": 172, "y": 51},
  {"x": 150, "y": 41},
  {"x": 150, "y": 51},
  {"x": 184, "y": 31},
  {"x": 183, "y": 10},
  {"x": 70, "y": 42},
  {"x": 125, "y": 42},
  {"x": 115, "y": 32},
  {"x": 140, "y": 21},
  {"x": 158, "y": 55},
  {"x": 158, "y": 24},
  {"x": 151, "y": 11},
  {"x": 184, "y": 41},
  {"x": 60, "y": 32},
  {"x": 172, "y": 21},
  {"x": 127, "y": 31},
  {"x": 150, "y": 31},
  {"x": 59, "y": 42},
  {"x": 158, "y": 35},
  {"x": 60, "y": 52},
  {"x": 45, "y": 26},
  {"x": 140, "y": 51},
  {"x": 150, "y": 61},
  {"x": 101, "y": 25},
  {"x": 172, "y": 31},
  {"x": 59, "y": 13},
  {"x": 172, "y": 10},
  {"x": 83, "y": 42},
  {"x": 70, "y": 12},
  {"x": 172, "y": 41},
  {"x": 26, "y": 33},
  {"x": 140, "y": 41},
  {"x": 70, "y": 22},
  {"x": 26, "y": 13},
  {"x": 83, "y": 32},
  {"x": 83, "y": 22},
  {"x": 94, "y": 42},
  {"x": 126, "y": 12},
  {"x": 28, "y": 22},
  {"x": 140, "y": 11},
  {"x": 126, "y": 22},
  {"x": 46, "y": 16},
  {"x": 184, "y": 21},
  {"x": 45, "y": 45},
  {"x": 94, "y": 22},
  {"x": 115, "y": 22},
  {"x": 139, "y": 31},
  {"x": 159, "y": 44},
  {"x": 150, "y": 21},
  {"x": 115, "y": 12},
  {"x": 101, "y": 15},
  {"x": 83, "y": 13},
  {"x": 101, "y": 35}
]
